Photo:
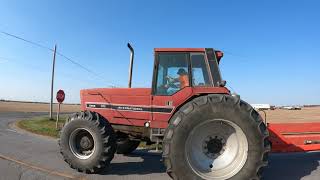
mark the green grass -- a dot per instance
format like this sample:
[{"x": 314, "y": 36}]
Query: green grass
[
  {"x": 42, "y": 125},
  {"x": 150, "y": 147}
]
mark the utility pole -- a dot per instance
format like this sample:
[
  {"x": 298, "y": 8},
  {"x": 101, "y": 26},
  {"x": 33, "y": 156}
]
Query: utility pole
[{"x": 52, "y": 79}]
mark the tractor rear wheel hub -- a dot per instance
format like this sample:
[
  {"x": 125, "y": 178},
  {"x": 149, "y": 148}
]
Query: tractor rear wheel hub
[
  {"x": 213, "y": 146},
  {"x": 216, "y": 148}
]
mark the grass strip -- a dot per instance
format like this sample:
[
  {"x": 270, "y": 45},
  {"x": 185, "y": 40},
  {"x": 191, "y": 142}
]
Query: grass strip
[{"x": 42, "y": 125}]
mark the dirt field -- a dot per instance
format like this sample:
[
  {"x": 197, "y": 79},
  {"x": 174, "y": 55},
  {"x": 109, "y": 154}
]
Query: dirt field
[
  {"x": 311, "y": 114},
  {"x": 35, "y": 107}
]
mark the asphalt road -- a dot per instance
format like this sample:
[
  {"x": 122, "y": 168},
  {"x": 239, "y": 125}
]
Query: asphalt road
[{"x": 24, "y": 156}]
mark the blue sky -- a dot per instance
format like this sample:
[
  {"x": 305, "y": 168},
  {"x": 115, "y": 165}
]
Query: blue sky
[{"x": 272, "y": 48}]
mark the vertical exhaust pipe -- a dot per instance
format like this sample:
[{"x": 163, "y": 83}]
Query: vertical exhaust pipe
[{"x": 131, "y": 64}]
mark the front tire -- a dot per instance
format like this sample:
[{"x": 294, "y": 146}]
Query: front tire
[
  {"x": 87, "y": 142},
  {"x": 216, "y": 137}
]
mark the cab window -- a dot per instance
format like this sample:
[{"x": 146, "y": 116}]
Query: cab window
[
  {"x": 172, "y": 74},
  {"x": 200, "y": 76}
]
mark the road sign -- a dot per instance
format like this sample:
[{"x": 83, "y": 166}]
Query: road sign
[{"x": 60, "y": 96}]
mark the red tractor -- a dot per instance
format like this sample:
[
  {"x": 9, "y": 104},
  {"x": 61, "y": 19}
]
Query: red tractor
[{"x": 205, "y": 131}]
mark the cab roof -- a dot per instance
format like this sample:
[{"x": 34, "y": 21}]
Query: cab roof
[{"x": 179, "y": 49}]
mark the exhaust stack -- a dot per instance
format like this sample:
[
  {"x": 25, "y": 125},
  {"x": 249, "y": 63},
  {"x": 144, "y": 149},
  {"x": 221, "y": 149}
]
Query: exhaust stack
[{"x": 131, "y": 64}]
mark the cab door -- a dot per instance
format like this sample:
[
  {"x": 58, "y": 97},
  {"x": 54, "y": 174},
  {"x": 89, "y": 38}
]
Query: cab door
[{"x": 168, "y": 93}]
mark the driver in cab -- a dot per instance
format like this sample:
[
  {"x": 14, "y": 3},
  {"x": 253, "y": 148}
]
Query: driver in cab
[{"x": 183, "y": 78}]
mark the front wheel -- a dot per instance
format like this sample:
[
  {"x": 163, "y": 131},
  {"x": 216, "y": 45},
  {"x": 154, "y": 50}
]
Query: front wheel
[
  {"x": 216, "y": 137},
  {"x": 87, "y": 142}
]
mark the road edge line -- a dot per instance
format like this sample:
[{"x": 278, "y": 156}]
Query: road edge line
[{"x": 37, "y": 168}]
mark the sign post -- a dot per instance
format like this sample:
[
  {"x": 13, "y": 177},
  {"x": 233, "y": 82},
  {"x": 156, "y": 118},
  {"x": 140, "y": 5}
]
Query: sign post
[{"x": 60, "y": 98}]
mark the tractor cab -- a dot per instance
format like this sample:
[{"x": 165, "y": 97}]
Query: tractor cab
[{"x": 177, "y": 68}]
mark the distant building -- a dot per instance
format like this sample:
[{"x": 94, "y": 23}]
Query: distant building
[
  {"x": 261, "y": 106},
  {"x": 292, "y": 107}
]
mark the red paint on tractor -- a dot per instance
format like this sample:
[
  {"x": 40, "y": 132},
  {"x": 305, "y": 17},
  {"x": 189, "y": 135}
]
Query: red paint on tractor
[
  {"x": 294, "y": 137},
  {"x": 140, "y": 101},
  {"x": 179, "y": 49}
]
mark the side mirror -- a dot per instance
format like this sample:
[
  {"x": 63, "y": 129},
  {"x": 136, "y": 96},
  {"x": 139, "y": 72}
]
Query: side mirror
[{"x": 222, "y": 83}]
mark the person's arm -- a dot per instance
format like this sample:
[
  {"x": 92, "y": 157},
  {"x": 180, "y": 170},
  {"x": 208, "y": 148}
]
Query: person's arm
[
  {"x": 176, "y": 80},
  {"x": 172, "y": 80}
]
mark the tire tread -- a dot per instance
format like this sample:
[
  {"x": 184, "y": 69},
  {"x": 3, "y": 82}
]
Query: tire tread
[
  {"x": 108, "y": 138},
  {"x": 213, "y": 99}
]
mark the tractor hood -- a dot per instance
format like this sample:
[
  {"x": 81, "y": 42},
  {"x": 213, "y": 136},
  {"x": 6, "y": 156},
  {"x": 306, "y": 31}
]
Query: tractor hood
[
  {"x": 123, "y": 96},
  {"x": 116, "y": 92}
]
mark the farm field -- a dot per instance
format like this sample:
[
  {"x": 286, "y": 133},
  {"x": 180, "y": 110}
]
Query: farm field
[
  {"x": 35, "y": 107},
  {"x": 306, "y": 114}
]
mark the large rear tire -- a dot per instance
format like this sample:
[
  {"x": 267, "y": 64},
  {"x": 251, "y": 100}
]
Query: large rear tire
[
  {"x": 216, "y": 137},
  {"x": 87, "y": 142}
]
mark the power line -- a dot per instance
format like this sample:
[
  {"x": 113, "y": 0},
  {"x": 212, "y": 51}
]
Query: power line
[
  {"x": 25, "y": 40},
  {"x": 84, "y": 68},
  {"x": 59, "y": 53},
  {"x": 81, "y": 66},
  {"x": 37, "y": 68},
  {"x": 233, "y": 54}
]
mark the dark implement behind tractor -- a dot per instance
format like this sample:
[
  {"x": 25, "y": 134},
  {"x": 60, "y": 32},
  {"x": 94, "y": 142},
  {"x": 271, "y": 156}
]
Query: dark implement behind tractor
[{"x": 206, "y": 133}]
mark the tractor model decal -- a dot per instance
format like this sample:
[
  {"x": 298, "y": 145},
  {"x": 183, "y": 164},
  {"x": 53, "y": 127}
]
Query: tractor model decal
[{"x": 136, "y": 108}]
